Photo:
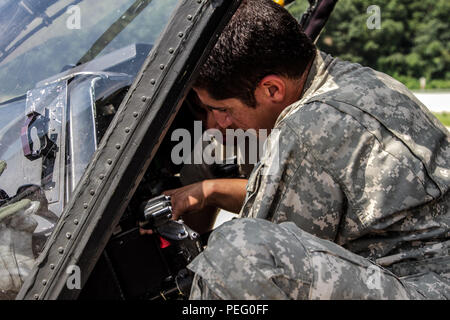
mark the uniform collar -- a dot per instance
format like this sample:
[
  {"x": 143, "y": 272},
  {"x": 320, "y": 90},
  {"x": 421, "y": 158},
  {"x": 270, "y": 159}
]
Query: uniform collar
[{"x": 316, "y": 77}]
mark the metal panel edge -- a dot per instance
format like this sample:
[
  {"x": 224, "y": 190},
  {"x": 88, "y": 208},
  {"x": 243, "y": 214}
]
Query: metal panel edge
[{"x": 127, "y": 148}]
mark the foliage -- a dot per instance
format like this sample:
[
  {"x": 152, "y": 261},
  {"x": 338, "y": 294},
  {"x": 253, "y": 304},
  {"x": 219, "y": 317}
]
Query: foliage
[
  {"x": 444, "y": 117},
  {"x": 413, "y": 41}
]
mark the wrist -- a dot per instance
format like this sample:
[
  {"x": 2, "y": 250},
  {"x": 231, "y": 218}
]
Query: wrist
[{"x": 209, "y": 190}]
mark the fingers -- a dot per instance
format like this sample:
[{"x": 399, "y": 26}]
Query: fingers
[
  {"x": 180, "y": 205},
  {"x": 145, "y": 231},
  {"x": 168, "y": 192}
]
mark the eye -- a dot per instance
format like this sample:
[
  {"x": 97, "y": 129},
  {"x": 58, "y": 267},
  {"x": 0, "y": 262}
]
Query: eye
[{"x": 211, "y": 109}]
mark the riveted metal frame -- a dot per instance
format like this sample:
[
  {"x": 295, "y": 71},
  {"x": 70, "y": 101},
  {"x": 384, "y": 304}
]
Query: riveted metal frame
[{"x": 127, "y": 148}]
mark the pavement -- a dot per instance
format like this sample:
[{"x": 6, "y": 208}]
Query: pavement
[{"x": 435, "y": 101}]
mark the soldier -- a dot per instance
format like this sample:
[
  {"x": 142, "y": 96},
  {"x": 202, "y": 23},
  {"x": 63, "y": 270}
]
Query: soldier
[{"x": 350, "y": 200}]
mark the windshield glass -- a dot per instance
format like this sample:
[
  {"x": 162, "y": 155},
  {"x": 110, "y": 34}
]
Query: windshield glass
[
  {"x": 41, "y": 38},
  {"x": 65, "y": 66}
]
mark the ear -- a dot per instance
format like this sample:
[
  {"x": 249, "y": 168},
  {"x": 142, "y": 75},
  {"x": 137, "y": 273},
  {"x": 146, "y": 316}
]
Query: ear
[{"x": 272, "y": 88}]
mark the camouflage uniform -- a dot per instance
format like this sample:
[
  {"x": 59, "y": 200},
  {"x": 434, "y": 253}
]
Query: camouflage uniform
[{"x": 363, "y": 170}]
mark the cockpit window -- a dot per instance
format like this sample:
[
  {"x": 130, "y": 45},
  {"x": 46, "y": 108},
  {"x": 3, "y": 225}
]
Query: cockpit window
[
  {"x": 65, "y": 66},
  {"x": 39, "y": 39}
]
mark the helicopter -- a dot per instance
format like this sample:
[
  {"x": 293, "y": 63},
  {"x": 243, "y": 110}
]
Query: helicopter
[{"x": 91, "y": 92}]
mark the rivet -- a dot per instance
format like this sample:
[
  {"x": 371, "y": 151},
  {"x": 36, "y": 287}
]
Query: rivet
[
  {"x": 61, "y": 250},
  {"x": 135, "y": 114},
  {"x": 92, "y": 192},
  {"x": 44, "y": 282},
  {"x": 75, "y": 221},
  {"x": 118, "y": 146},
  {"x": 153, "y": 81},
  {"x": 171, "y": 50},
  {"x": 85, "y": 205},
  {"x": 102, "y": 176},
  {"x": 144, "y": 98},
  {"x": 181, "y": 34},
  {"x": 109, "y": 161},
  {"x": 189, "y": 17},
  {"x": 52, "y": 266},
  {"x": 68, "y": 235},
  {"x": 36, "y": 296},
  {"x": 161, "y": 66},
  {"x": 199, "y": 1},
  {"x": 127, "y": 130}
]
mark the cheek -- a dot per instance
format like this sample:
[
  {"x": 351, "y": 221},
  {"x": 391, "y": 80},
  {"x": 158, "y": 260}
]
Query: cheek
[{"x": 244, "y": 121}]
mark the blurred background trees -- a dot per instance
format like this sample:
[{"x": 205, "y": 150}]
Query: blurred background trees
[{"x": 413, "y": 41}]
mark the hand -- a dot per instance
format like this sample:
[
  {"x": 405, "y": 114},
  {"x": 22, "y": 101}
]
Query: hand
[
  {"x": 189, "y": 198},
  {"x": 185, "y": 199},
  {"x": 228, "y": 194}
]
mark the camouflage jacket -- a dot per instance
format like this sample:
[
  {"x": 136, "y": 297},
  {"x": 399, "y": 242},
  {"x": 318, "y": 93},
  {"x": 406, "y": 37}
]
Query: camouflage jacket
[{"x": 358, "y": 160}]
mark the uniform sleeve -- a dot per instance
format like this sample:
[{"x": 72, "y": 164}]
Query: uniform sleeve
[
  {"x": 289, "y": 185},
  {"x": 381, "y": 178}
]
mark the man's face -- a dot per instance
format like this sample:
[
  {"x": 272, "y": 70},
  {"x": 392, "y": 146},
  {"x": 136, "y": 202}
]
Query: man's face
[{"x": 233, "y": 114}]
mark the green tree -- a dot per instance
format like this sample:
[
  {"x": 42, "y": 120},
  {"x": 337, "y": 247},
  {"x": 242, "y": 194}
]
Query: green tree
[{"x": 413, "y": 41}]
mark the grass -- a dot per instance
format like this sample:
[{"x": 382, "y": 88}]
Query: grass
[
  {"x": 443, "y": 117},
  {"x": 414, "y": 84}
]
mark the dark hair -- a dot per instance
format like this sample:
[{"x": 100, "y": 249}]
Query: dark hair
[{"x": 261, "y": 38}]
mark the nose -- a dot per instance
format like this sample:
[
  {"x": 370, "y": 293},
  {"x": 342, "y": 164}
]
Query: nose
[
  {"x": 211, "y": 122},
  {"x": 222, "y": 119}
]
